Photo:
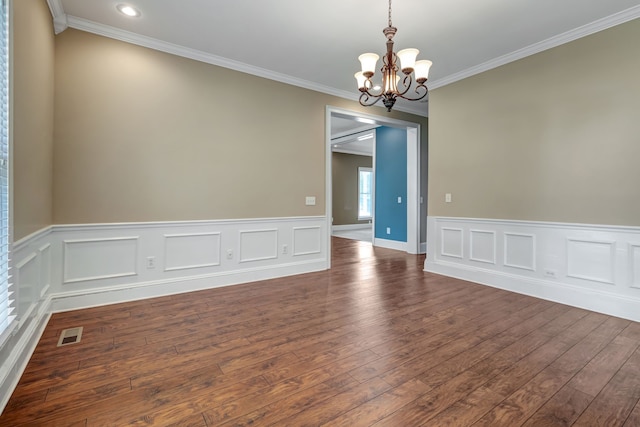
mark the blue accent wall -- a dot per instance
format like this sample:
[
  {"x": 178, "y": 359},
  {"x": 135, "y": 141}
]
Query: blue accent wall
[{"x": 391, "y": 183}]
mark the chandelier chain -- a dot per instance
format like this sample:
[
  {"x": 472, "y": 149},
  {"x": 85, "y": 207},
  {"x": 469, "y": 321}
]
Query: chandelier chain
[{"x": 390, "y": 14}]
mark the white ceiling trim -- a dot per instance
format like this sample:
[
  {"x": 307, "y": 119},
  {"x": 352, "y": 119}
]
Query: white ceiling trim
[
  {"x": 569, "y": 36},
  {"x": 197, "y": 55},
  {"x": 62, "y": 21},
  {"x": 59, "y": 17}
]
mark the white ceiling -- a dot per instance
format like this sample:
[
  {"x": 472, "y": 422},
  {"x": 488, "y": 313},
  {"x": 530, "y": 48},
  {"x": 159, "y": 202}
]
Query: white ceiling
[{"x": 315, "y": 44}]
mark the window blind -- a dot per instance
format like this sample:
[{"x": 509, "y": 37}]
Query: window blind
[{"x": 7, "y": 294}]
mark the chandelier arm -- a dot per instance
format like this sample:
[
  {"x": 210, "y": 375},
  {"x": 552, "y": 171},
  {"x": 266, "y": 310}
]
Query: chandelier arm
[
  {"x": 407, "y": 81},
  {"x": 418, "y": 90},
  {"x": 365, "y": 99}
]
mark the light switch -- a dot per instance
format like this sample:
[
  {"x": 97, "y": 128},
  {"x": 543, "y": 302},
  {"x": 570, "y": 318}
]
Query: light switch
[
  {"x": 399, "y": 199},
  {"x": 310, "y": 201}
]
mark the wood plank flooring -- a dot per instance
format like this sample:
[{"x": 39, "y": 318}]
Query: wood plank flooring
[{"x": 373, "y": 341}]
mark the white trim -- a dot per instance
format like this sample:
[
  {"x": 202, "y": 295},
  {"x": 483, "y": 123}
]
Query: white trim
[
  {"x": 43, "y": 232},
  {"x": 62, "y": 21},
  {"x": 12, "y": 368},
  {"x": 259, "y": 258},
  {"x": 47, "y": 293},
  {"x": 413, "y": 189},
  {"x": 442, "y": 248},
  {"x": 598, "y": 277},
  {"x": 555, "y": 41},
  {"x": 378, "y": 120},
  {"x": 634, "y": 279},
  {"x": 594, "y": 300},
  {"x": 65, "y": 258},
  {"x": 65, "y": 301},
  {"x": 541, "y": 224},
  {"x": 493, "y": 248},
  {"x": 25, "y": 261},
  {"x": 59, "y": 17},
  {"x": 190, "y": 266},
  {"x": 159, "y": 224},
  {"x": 294, "y": 250},
  {"x": 372, "y": 183},
  {"x": 198, "y": 55},
  {"x": 349, "y": 227},
  {"x": 390, "y": 244},
  {"x": 506, "y": 251}
]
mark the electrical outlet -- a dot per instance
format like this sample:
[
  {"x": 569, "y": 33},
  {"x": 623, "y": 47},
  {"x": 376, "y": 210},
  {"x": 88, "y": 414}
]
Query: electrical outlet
[
  {"x": 151, "y": 262},
  {"x": 229, "y": 253},
  {"x": 285, "y": 249},
  {"x": 550, "y": 273},
  {"x": 388, "y": 230},
  {"x": 447, "y": 198}
]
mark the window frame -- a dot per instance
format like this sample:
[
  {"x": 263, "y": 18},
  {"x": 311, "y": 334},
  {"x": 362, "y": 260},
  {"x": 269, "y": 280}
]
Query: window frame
[{"x": 360, "y": 193}]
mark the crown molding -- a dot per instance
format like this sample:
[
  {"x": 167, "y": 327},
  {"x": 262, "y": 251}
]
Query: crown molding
[
  {"x": 63, "y": 21},
  {"x": 197, "y": 55},
  {"x": 59, "y": 17},
  {"x": 569, "y": 36}
]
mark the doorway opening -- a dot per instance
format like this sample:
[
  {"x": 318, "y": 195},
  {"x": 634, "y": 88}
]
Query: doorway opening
[{"x": 353, "y": 134}]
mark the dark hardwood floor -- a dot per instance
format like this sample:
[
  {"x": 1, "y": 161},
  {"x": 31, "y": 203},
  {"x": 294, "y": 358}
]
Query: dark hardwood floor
[{"x": 373, "y": 341}]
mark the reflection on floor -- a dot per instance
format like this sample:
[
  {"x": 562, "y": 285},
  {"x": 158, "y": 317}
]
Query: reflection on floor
[{"x": 362, "y": 234}]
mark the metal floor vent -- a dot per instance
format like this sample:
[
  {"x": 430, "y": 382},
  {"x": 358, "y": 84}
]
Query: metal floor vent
[{"x": 70, "y": 336}]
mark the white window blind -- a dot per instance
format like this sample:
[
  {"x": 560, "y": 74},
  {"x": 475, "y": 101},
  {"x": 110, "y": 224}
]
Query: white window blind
[{"x": 7, "y": 295}]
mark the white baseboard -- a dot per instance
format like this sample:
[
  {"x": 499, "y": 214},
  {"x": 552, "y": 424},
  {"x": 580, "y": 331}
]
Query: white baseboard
[
  {"x": 588, "y": 266},
  {"x": 66, "y": 301},
  {"x": 18, "y": 350},
  {"x": 349, "y": 227},
  {"x": 390, "y": 244}
]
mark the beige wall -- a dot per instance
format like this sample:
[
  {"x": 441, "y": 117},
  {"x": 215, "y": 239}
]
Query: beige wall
[
  {"x": 552, "y": 137},
  {"x": 146, "y": 136},
  {"x": 32, "y": 116},
  {"x": 345, "y": 186}
]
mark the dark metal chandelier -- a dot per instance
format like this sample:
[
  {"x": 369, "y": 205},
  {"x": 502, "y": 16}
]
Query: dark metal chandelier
[{"x": 393, "y": 86}]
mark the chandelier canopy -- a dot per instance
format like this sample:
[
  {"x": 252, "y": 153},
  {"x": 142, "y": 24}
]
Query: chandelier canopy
[{"x": 393, "y": 86}]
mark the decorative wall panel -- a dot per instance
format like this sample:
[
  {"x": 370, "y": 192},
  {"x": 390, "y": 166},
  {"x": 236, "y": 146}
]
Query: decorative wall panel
[
  {"x": 95, "y": 259},
  {"x": 186, "y": 251},
  {"x": 307, "y": 240}
]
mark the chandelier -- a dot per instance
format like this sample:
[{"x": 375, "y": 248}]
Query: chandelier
[{"x": 393, "y": 86}]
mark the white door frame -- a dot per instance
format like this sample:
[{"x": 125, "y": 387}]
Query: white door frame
[{"x": 413, "y": 173}]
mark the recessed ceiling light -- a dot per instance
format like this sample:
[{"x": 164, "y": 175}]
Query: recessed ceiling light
[{"x": 128, "y": 10}]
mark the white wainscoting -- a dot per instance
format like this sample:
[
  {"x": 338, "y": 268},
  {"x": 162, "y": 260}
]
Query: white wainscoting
[
  {"x": 589, "y": 266},
  {"x": 32, "y": 262},
  {"x": 68, "y": 267},
  {"x": 123, "y": 262},
  {"x": 95, "y": 259},
  {"x": 194, "y": 250}
]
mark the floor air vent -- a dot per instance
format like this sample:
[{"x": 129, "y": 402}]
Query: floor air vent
[{"x": 70, "y": 336}]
